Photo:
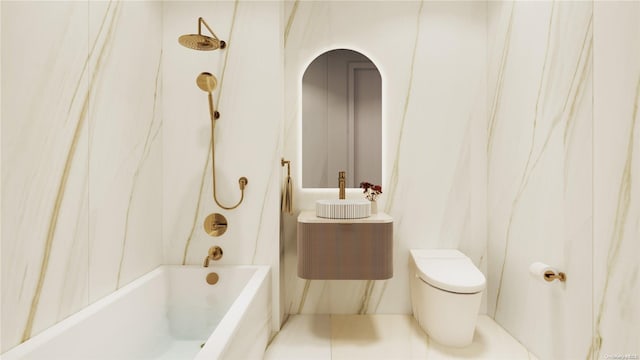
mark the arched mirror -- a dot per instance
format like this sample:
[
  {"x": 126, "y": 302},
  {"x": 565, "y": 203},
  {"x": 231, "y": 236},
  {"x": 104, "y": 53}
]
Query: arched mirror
[{"x": 341, "y": 120}]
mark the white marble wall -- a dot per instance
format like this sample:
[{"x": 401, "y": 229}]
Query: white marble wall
[
  {"x": 81, "y": 157},
  {"x": 539, "y": 172},
  {"x": 247, "y": 140},
  {"x": 561, "y": 148},
  {"x": 528, "y": 156},
  {"x": 616, "y": 184},
  {"x": 125, "y": 127},
  {"x": 432, "y": 58}
]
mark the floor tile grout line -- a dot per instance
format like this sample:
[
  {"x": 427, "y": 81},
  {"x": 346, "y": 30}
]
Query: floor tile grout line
[
  {"x": 331, "y": 336},
  {"x": 504, "y": 346}
]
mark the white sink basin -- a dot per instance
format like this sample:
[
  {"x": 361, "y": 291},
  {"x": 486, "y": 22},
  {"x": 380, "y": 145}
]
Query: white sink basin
[{"x": 343, "y": 209}]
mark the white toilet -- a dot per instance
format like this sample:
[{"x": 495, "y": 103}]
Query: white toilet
[{"x": 446, "y": 291}]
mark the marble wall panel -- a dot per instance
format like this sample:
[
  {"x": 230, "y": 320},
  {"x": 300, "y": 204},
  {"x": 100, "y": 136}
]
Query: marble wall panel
[
  {"x": 247, "y": 135},
  {"x": 80, "y": 156},
  {"x": 106, "y": 165},
  {"x": 44, "y": 166},
  {"x": 125, "y": 135},
  {"x": 562, "y": 149},
  {"x": 616, "y": 188},
  {"x": 432, "y": 59},
  {"x": 539, "y": 155}
]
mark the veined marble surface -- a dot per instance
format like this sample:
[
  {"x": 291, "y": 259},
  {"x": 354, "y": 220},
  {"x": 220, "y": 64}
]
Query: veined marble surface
[
  {"x": 44, "y": 133},
  {"x": 431, "y": 56},
  {"x": 539, "y": 172},
  {"x": 384, "y": 337},
  {"x": 564, "y": 80},
  {"x": 247, "y": 135},
  {"x": 80, "y": 156},
  {"x": 125, "y": 136},
  {"x": 616, "y": 179},
  {"x": 542, "y": 155}
]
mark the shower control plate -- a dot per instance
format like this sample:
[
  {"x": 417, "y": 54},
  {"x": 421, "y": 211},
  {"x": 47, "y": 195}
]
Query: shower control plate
[{"x": 215, "y": 224}]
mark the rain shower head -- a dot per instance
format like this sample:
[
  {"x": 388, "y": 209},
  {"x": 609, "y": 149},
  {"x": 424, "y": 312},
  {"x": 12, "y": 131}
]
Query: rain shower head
[{"x": 202, "y": 42}]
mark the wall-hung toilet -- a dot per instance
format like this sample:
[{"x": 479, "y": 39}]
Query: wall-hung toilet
[{"x": 446, "y": 291}]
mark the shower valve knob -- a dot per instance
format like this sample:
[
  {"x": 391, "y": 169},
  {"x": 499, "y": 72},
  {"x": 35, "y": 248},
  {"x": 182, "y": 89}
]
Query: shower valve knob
[{"x": 215, "y": 224}]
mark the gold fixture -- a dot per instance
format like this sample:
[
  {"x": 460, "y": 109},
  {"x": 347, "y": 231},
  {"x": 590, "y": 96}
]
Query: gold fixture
[
  {"x": 215, "y": 253},
  {"x": 550, "y": 276},
  {"x": 202, "y": 42},
  {"x": 215, "y": 224},
  {"x": 286, "y": 203},
  {"x": 284, "y": 162},
  {"x": 342, "y": 182},
  {"x": 212, "y": 278},
  {"x": 207, "y": 83}
]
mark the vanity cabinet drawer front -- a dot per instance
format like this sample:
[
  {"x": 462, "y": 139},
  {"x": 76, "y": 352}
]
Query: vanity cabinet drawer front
[{"x": 337, "y": 251}]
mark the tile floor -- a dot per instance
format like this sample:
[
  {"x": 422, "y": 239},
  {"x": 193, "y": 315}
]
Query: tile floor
[{"x": 388, "y": 337}]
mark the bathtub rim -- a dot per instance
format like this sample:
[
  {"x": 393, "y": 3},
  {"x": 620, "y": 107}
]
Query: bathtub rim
[
  {"x": 218, "y": 341},
  {"x": 51, "y": 332},
  {"x": 261, "y": 271}
]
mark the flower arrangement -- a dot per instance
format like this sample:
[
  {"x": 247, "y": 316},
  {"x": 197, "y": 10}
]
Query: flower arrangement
[{"x": 371, "y": 191}]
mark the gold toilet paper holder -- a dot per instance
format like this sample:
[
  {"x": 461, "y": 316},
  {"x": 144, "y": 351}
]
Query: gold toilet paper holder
[{"x": 551, "y": 275}]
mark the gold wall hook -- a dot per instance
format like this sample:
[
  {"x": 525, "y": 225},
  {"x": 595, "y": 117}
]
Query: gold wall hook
[{"x": 284, "y": 162}]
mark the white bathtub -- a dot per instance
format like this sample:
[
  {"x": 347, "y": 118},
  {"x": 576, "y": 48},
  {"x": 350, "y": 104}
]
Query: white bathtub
[{"x": 166, "y": 314}]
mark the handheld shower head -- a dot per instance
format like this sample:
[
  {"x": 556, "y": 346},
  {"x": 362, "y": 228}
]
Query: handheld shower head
[
  {"x": 207, "y": 83},
  {"x": 202, "y": 42}
]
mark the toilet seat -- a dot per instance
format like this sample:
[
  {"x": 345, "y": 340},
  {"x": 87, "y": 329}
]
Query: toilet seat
[{"x": 448, "y": 270}]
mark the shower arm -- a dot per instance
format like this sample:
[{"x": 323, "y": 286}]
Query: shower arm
[
  {"x": 242, "y": 181},
  {"x": 200, "y": 22}
]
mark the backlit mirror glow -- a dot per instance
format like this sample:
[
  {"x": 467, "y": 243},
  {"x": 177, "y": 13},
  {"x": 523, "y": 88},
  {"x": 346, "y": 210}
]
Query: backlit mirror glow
[{"x": 341, "y": 120}]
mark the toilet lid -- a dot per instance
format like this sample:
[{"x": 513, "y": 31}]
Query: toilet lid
[{"x": 457, "y": 274}]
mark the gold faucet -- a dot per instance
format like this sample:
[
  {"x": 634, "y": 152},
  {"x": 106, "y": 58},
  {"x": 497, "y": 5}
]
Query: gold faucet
[
  {"x": 215, "y": 253},
  {"x": 341, "y": 183}
]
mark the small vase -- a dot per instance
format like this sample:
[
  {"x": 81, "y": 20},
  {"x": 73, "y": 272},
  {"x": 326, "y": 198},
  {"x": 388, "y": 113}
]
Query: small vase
[{"x": 374, "y": 207}]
